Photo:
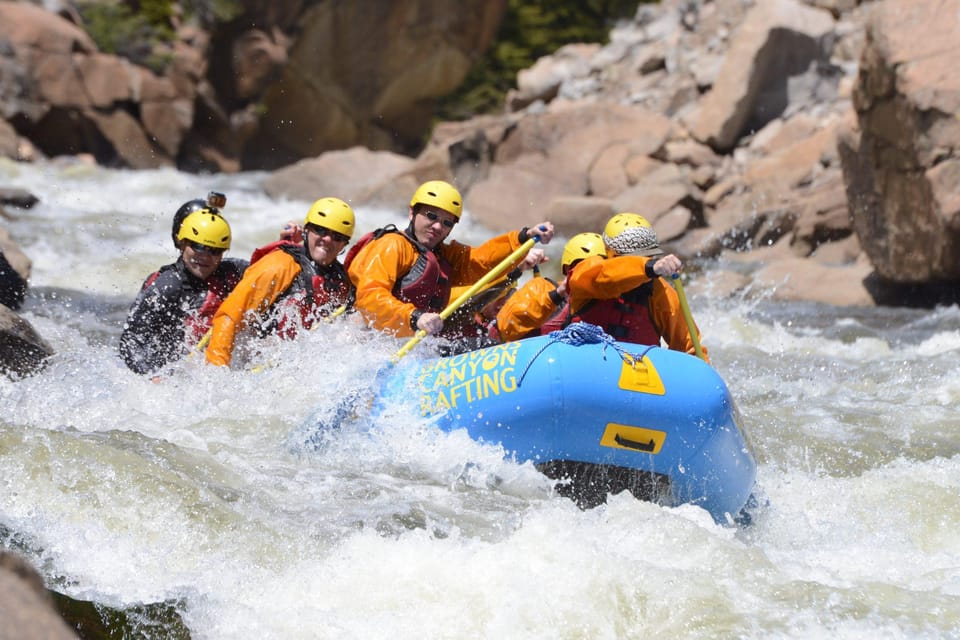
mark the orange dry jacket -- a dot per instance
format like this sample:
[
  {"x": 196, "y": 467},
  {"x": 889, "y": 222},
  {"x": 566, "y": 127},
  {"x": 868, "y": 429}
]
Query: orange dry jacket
[
  {"x": 526, "y": 310},
  {"x": 262, "y": 284},
  {"x": 599, "y": 278},
  {"x": 378, "y": 267}
]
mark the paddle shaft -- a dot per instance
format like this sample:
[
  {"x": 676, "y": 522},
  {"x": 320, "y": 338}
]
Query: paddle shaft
[
  {"x": 495, "y": 273},
  {"x": 201, "y": 346},
  {"x": 694, "y": 334}
]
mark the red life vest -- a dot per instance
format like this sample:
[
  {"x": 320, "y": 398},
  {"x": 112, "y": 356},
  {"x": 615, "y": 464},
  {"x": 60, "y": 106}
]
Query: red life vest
[
  {"x": 200, "y": 321},
  {"x": 270, "y": 248},
  {"x": 315, "y": 293},
  {"x": 426, "y": 285},
  {"x": 557, "y": 321},
  {"x": 626, "y": 318}
]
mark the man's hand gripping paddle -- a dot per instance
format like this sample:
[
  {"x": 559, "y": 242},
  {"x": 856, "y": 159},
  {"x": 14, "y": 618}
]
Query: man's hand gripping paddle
[{"x": 479, "y": 285}]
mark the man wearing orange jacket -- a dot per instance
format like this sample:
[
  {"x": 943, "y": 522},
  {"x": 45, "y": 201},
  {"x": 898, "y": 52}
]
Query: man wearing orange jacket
[
  {"x": 626, "y": 293},
  {"x": 289, "y": 285},
  {"x": 404, "y": 278}
]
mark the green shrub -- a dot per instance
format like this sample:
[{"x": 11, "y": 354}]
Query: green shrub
[
  {"x": 136, "y": 33},
  {"x": 530, "y": 30},
  {"x": 209, "y": 12}
]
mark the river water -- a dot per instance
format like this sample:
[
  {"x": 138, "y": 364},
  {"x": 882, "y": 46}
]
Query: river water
[{"x": 190, "y": 491}]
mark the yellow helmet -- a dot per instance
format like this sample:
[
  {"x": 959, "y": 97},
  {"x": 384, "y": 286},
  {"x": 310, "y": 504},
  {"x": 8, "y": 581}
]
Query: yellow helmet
[
  {"x": 440, "y": 194},
  {"x": 185, "y": 209},
  {"x": 333, "y": 214},
  {"x": 207, "y": 228},
  {"x": 580, "y": 246},
  {"x": 631, "y": 234}
]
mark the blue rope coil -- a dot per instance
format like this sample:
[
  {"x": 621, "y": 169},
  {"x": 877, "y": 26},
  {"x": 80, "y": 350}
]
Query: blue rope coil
[{"x": 580, "y": 333}]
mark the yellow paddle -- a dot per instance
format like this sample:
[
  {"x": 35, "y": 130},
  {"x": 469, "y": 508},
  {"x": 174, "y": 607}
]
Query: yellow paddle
[
  {"x": 466, "y": 295},
  {"x": 202, "y": 345},
  {"x": 694, "y": 336}
]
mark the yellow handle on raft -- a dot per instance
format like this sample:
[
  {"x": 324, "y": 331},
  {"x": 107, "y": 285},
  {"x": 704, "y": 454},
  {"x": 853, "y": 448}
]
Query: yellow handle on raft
[
  {"x": 691, "y": 327},
  {"x": 495, "y": 273}
]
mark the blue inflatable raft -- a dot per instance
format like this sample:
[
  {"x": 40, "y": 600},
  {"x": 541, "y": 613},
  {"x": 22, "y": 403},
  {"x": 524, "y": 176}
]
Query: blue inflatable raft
[{"x": 604, "y": 416}]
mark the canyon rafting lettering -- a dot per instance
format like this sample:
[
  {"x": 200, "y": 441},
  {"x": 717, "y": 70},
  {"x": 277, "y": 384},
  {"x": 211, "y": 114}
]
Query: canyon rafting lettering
[{"x": 468, "y": 377}]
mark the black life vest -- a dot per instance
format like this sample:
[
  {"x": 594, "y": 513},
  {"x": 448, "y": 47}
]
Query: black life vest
[{"x": 199, "y": 305}]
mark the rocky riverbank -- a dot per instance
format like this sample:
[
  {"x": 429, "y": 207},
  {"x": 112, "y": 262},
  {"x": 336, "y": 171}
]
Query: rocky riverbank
[{"x": 808, "y": 146}]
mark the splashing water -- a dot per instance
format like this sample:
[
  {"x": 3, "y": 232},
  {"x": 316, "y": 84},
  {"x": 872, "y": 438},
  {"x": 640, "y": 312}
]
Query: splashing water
[{"x": 199, "y": 490}]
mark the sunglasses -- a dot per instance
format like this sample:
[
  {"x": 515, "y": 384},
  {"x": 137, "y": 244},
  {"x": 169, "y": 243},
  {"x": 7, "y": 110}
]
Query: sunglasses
[
  {"x": 323, "y": 231},
  {"x": 202, "y": 248},
  {"x": 432, "y": 217}
]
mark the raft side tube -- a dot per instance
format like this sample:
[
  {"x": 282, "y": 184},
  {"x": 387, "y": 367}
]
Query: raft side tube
[{"x": 663, "y": 414}]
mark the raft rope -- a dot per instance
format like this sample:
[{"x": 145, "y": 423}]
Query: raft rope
[{"x": 580, "y": 333}]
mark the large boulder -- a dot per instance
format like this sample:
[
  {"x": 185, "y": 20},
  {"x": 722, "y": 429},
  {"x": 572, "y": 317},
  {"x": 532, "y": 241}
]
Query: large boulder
[
  {"x": 779, "y": 41},
  {"x": 549, "y": 156},
  {"x": 26, "y": 608},
  {"x": 357, "y": 175},
  {"x": 15, "y": 269},
  {"x": 68, "y": 98},
  {"x": 901, "y": 159},
  {"x": 22, "y": 351},
  {"x": 13, "y": 285},
  {"x": 367, "y": 73},
  {"x": 267, "y": 85}
]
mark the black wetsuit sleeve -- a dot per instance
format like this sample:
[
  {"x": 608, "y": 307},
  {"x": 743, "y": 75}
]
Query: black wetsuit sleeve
[
  {"x": 153, "y": 332},
  {"x": 233, "y": 269}
]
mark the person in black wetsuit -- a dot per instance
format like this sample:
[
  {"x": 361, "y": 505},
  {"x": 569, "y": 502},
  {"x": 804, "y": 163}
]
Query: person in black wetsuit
[{"x": 176, "y": 304}]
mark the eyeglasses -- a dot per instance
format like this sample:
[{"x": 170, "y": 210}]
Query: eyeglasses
[
  {"x": 432, "y": 217},
  {"x": 202, "y": 248},
  {"x": 323, "y": 231}
]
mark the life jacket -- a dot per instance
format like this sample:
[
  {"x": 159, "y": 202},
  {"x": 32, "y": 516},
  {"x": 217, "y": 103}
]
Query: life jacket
[
  {"x": 626, "y": 318},
  {"x": 200, "y": 321},
  {"x": 426, "y": 285},
  {"x": 198, "y": 311},
  {"x": 153, "y": 276},
  {"x": 557, "y": 321},
  {"x": 315, "y": 293},
  {"x": 259, "y": 252}
]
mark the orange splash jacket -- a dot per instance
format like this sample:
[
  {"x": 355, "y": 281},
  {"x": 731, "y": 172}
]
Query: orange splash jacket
[
  {"x": 263, "y": 283},
  {"x": 383, "y": 262},
  {"x": 525, "y": 312},
  {"x": 607, "y": 279}
]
